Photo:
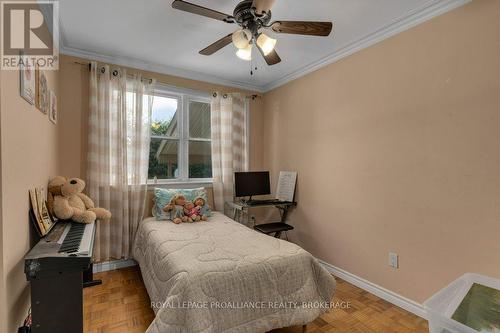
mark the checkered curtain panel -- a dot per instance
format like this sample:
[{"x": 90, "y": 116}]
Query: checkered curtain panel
[
  {"x": 118, "y": 151},
  {"x": 229, "y": 144}
]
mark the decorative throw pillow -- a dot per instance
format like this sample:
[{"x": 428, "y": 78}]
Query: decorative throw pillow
[{"x": 162, "y": 197}]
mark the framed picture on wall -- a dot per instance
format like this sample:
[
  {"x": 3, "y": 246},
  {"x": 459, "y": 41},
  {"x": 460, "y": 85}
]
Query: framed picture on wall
[
  {"x": 53, "y": 107},
  {"x": 37, "y": 80},
  {"x": 42, "y": 96},
  {"x": 28, "y": 82}
]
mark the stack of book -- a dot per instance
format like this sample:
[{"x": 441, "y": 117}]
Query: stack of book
[{"x": 39, "y": 214}]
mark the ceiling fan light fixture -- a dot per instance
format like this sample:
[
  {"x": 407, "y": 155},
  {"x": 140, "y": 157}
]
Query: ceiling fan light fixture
[
  {"x": 252, "y": 16},
  {"x": 242, "y": 38},
  {"x": 246, "y": 53},
  {"x": 266, "y": 43}
]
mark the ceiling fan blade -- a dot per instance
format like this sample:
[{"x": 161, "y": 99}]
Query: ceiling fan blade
[
  {"x": 303, "y": 28},
  {"x": 272, "y": 58},
  {"x": 263, "y": 5},
  {"x": 211, "y": 49},
  {"x": 199, "y": 10}
]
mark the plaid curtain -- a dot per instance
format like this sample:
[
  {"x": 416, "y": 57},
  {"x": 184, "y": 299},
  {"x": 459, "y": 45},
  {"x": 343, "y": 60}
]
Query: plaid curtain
[
  {"x": 118, "y": 151},
  {"x": 229, "y": 144}
]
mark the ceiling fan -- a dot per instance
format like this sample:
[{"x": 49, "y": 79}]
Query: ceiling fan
[{"x": 253, "y": 16}]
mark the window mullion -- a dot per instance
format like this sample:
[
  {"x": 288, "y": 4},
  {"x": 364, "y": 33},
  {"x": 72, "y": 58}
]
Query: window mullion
[
  {"x": 181, "y": 136},
  {"x": 200, "y": 139},
  {"x": 185, "y": 138},
  {"x": 165, "y": 137}
]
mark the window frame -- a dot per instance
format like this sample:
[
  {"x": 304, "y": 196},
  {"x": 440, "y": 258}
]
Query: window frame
[{"x": 184, "y": 97}]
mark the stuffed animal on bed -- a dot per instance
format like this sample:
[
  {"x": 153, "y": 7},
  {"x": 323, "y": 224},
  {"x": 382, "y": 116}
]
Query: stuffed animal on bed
[
  {"x": 176, "y": 209},
  {"x": 192, "y": 213},
  {"x": 69, "y": 201},
  {"x": 202, "y": 207}
]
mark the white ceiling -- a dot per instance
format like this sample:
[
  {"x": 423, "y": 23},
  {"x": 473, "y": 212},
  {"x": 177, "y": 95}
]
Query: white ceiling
[{"x": 151, "y": 34}]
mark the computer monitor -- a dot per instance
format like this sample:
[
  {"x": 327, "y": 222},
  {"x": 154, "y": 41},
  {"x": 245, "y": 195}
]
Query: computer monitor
[{"x": 247, "y": 184}]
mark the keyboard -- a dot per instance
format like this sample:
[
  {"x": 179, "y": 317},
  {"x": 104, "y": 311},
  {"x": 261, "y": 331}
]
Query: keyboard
[
  {"x": 58, "y": 267},
  {"x": 66, "y": 239},
  {"x": 265, "y": 202},
  {"x": 77, "y": 238}
]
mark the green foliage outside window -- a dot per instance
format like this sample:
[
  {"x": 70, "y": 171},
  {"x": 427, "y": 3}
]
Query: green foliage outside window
[
  {"x": 155, "y": 168},
  {"x": 160, "y": 127},
  {"x": 200, "y": 170}
]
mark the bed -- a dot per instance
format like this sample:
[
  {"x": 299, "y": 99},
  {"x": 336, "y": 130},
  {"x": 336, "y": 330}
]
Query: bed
[{"x": 220, "y": 276}]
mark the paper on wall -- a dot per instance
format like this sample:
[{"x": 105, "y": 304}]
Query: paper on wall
[{"x": 286, "y": 186}]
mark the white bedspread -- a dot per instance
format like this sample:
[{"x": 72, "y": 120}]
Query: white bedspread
[{"x": 220, "y": 276}]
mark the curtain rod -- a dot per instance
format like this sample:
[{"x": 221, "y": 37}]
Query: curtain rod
[
  {"x": 253, "y": 97},
  {"x": 87, "y": 64}
]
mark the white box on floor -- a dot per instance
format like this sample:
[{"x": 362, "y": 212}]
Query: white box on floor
[{"x": 442, "y": 305}]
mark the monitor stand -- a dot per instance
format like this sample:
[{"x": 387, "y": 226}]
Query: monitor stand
[{"x": 247, "y": 201}]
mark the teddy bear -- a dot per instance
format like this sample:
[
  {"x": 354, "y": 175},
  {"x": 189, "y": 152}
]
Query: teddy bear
[
  {"x": 192, "y": 213},
  {"x": 202, "y": 207},
  {"x": 68, "y": 202},
  {"x": 54, "y": 189},
  {"x": 176, "y": 209}
]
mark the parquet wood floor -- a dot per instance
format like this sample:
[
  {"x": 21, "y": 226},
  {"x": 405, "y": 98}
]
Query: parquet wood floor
[{"x": 121, "y": 304}]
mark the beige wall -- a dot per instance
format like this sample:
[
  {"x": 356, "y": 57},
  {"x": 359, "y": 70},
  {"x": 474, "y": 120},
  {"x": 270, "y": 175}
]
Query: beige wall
[
  {"x": 397, "y": 149},
  {"x": 3, "y": 307},
  {"x": 74, "y": 81},
  {"x": 28, "y": 158}
]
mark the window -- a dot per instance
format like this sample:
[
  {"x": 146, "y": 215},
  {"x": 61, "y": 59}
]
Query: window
[{"x": 181, "y": 148}]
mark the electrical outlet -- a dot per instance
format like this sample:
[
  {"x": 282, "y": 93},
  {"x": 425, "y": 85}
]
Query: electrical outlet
[{"x": 393, "y": 260}]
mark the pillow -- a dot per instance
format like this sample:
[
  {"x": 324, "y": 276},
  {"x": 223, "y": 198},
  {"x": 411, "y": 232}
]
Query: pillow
[{"x": 162, "y": 197}]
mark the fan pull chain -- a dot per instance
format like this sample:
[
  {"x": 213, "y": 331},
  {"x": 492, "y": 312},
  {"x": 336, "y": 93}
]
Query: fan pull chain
[{"x": 252, "y": 68}]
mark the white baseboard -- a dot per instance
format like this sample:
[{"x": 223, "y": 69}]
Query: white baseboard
[
  {"x": 389, "y": 296},
  {"x": 112, "y": 265}
]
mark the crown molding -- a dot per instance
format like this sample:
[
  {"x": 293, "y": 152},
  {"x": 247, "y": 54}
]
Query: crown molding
[
  {"x": 411, "y": 19},
  {"x": 427, "y": 11},
  {"x": 153, "y": 67}
]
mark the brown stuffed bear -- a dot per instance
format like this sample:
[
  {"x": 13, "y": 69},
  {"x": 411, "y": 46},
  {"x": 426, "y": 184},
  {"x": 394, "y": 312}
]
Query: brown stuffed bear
[
  {"x": 70, "y": 203},
  {"x": 54, "y": 189}
]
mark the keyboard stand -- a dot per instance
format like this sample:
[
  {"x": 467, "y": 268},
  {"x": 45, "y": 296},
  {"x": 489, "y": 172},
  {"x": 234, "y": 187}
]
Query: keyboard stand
[
  {"x": 240, "y": 209},
  {"x": 88, "y": 278},
  {"x": 57, "y": 302},
  {"x": 277, "y": 228}
]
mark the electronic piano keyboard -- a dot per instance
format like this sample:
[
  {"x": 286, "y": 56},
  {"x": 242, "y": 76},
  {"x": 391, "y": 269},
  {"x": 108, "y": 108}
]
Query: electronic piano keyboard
[
  {"x": 58, "y": 267},
  {"x": 67, "y": 238}
]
